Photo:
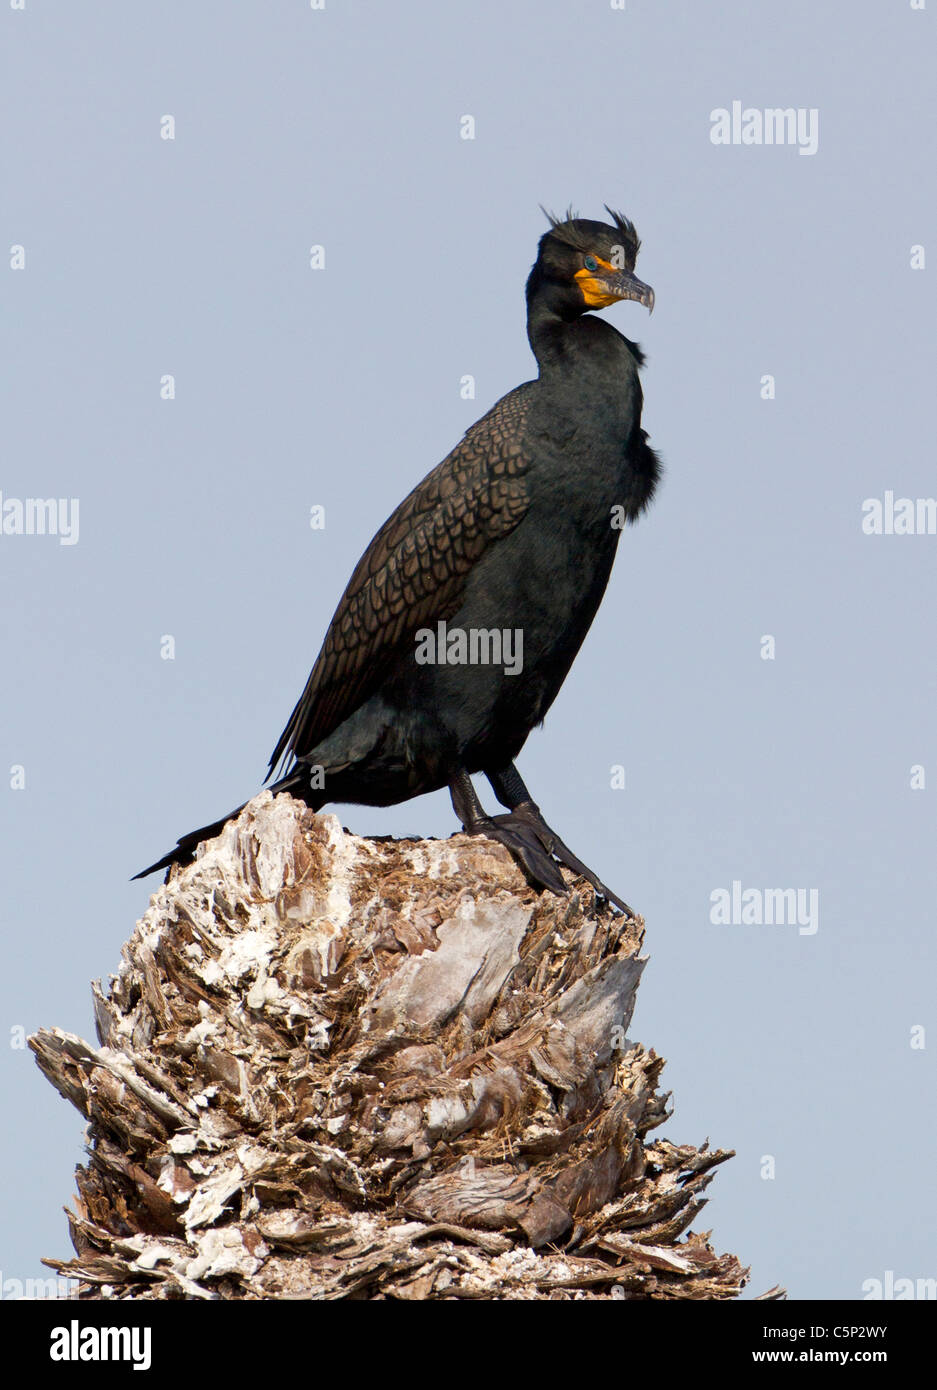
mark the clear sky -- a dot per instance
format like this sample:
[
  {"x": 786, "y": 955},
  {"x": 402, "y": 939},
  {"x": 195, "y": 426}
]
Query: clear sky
[{"x": 774, "y": 764}]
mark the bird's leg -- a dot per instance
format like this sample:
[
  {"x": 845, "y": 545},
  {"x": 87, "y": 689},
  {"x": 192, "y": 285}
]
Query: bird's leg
[
  {"x": 518, "y": 837},
  {"x": 508, "y": 786}
]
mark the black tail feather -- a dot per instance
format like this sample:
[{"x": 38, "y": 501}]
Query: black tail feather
[{"x": 184, "y": 851}]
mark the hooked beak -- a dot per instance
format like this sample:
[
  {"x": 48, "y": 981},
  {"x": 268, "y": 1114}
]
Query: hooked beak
[
  {"x": 606, "y": 286},
  {"x": 624, "y": 285}
]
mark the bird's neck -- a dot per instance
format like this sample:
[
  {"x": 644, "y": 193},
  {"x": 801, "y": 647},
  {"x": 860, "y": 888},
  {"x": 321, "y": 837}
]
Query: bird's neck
[
  {"x": 568, "y": 343},
  {"x": 547, "y": 334},
  {"x": 573, "y": 351},
  {"x": 548, "y": 320}
]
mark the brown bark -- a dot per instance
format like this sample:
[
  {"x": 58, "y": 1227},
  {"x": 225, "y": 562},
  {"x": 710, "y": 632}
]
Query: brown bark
[{"x": 332, "y": 1067}]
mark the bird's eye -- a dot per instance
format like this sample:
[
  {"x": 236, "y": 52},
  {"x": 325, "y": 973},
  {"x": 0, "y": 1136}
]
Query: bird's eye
[{"x": 591, "y": 263}]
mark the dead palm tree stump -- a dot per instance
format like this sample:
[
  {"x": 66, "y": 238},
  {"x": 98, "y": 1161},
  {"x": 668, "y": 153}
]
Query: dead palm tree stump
[{"x": 333, "y": 1067}]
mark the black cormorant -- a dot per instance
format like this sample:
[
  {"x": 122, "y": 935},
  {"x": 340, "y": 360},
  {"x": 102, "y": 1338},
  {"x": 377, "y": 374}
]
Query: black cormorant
[{"x": 467, "y": 609}]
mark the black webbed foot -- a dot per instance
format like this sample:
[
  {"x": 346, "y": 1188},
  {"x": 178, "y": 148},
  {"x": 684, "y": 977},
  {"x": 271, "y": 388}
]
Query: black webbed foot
[
  {"x": 524, "y": 833},
  {"x": 521, "y": 840},
  {"x": 527, "y": 815}
]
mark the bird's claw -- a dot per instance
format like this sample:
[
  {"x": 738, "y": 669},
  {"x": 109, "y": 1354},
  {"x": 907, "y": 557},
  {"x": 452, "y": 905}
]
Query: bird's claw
[
  {"x": 538, "y": 850},
  {"x": 526, "y": 847}
]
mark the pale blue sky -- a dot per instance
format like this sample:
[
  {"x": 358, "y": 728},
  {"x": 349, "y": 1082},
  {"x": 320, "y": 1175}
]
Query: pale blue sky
[{"x": 341, "y": 387}]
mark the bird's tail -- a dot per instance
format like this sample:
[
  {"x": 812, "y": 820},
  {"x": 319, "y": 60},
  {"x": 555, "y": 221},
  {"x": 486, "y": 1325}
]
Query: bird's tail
[{"x": 184, "y": 851}]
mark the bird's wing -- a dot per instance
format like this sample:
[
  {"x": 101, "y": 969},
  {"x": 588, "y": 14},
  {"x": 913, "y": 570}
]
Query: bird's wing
[{"x": 414, "y": 571}]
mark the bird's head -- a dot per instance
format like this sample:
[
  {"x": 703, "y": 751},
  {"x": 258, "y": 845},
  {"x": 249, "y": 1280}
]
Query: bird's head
[{"x": 584, "y": 265}]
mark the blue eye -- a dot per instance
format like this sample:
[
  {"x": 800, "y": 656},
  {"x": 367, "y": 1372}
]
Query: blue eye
[{"x": 591, "y": 263}]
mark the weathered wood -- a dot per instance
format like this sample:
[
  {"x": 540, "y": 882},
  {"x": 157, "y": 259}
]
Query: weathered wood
[{"x": 332, "y": 1067}]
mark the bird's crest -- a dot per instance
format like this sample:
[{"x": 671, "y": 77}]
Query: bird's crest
[{"x": 576, "y": 232}]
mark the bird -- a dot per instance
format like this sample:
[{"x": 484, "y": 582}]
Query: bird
[{"x": 465, "y": 612}]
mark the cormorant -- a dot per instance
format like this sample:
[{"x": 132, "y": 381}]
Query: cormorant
[{"x": 509, "y": 540}]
